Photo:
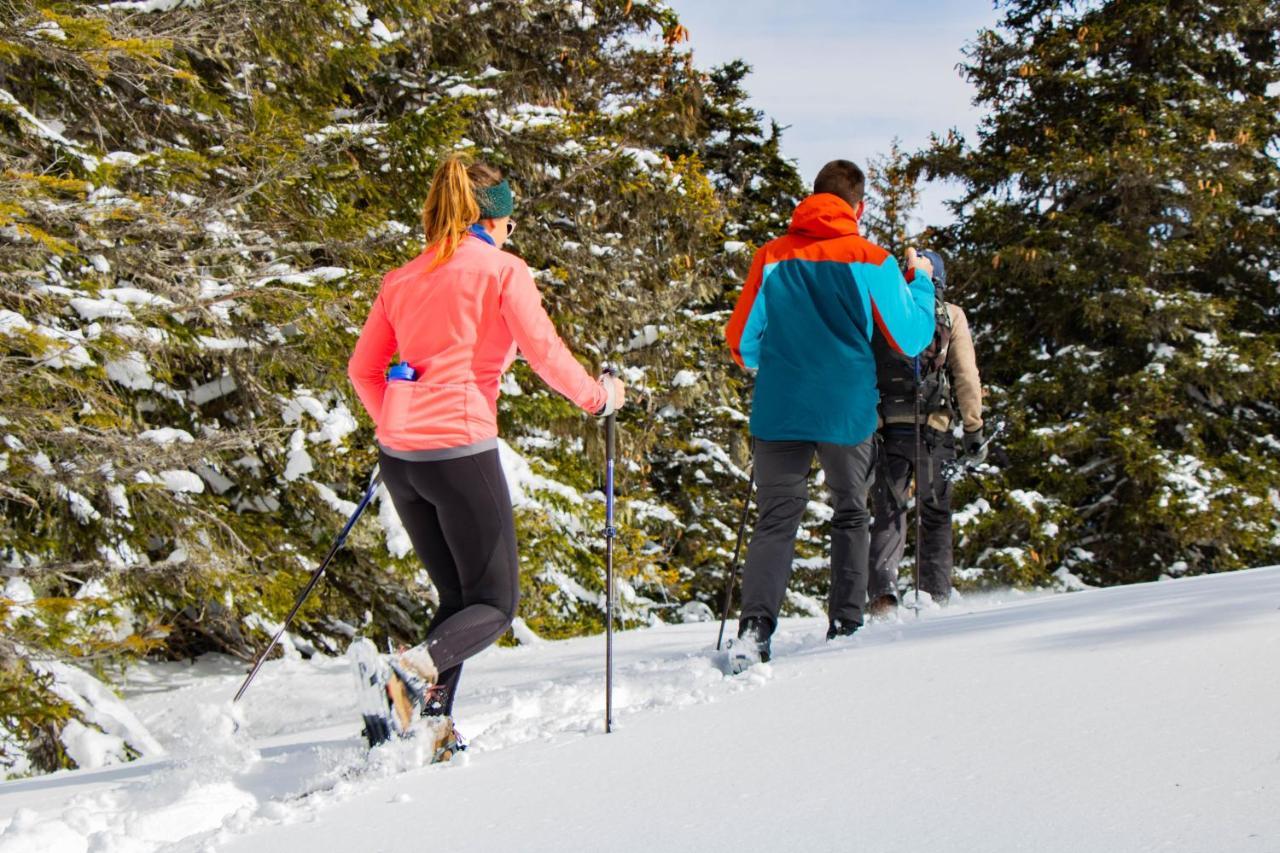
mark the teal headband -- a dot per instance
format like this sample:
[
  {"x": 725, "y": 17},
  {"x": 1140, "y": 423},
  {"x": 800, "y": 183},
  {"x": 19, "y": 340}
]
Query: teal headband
[{"x": 496, "y": 201}]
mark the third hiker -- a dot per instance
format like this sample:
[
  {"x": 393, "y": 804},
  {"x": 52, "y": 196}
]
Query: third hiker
[
  {"x": 805, "y": 320},
  {"x": 949, "y": 392}
]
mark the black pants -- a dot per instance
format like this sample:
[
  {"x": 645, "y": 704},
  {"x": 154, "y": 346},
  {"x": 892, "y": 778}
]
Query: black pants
[
  {"x": 782, "y": 482},
  {"x": 895, "y": 467},
  {"x": 457, "y": 513}
]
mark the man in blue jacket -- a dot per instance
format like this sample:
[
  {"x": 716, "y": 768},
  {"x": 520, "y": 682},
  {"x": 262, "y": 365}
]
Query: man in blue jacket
[{"x": 804, "y": 321}]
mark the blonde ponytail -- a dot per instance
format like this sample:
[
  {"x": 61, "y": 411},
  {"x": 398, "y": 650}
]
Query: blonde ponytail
[{"x": 450, "y": 209}]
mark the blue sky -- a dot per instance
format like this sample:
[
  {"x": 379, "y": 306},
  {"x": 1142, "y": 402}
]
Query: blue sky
[{"x": 847, "y": 76}]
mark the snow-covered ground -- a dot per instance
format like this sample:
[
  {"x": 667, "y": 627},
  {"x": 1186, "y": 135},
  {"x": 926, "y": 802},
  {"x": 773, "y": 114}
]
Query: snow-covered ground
[{"x": 1126, "y": 719}]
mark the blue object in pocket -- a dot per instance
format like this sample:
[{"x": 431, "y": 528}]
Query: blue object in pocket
[{"x": 402, "y": 371}]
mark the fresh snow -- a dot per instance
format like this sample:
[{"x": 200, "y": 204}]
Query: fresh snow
[{"x": 1129, "y": 718}]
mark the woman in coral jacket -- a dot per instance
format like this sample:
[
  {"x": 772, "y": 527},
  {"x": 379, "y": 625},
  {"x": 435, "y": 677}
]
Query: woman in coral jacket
[{"x": 457, "y": 314}]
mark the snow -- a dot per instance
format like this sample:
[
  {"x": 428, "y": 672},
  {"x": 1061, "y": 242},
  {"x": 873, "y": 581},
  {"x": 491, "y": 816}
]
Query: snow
[
  {"x": 1028, "y": 500},
  {"x": 397, "y": 538},
  {"x": 119, "y": 500},
  {"x": 98, "y": 309},
  {"x": 287, "y": 275},
  {"x": 299, "y": 461},
  {"x": 381, "y": 34},
  {"x": 1190, "y": 481},
  {"x": 1130, "y": 718},
  {"x": 149, "y": 5},
  {"x": 11, "y": 322},
  {"x": 131, "y": 371},
  {"x": 115, "y": 723},
  {"x": 466, "y": 90},
  {"x": 181, "y": 481},
  {"x": 644, "y": 159},
  {"x": 68, "y": 350},
  {"x": 49, "y": 30},
  {"x": 135, "y": 296},
  {"x": 81, "y": 508},
  {"x": 213, "y": 389},
  {"x": 91, "y": 748},
  {"x": 684, "y": 379},
  {"x": 335, "y": 424},
  {"x": 524, "y": 117},
  {"x": 524, "y": 482},
  {"x": 123, "y": 158},
  {"x": 166, "y": 436},
  {"x": 46, "y": 130},
  {"x": 221, "y": 344},
  {"x": 342, "y": 507}
]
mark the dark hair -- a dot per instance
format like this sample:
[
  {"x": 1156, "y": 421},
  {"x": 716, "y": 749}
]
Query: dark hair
[{"x": 842, "y": 178}]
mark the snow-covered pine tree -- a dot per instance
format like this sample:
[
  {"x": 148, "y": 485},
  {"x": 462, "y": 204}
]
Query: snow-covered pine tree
[
  {"x": 198, "y": 202},
  {"x": 1117, "y": 252}
]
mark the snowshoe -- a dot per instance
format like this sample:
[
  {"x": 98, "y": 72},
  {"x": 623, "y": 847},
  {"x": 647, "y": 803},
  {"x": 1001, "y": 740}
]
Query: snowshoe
[
  {"x": 372, "y": 676},
  {"x": 390, "y": 694}
]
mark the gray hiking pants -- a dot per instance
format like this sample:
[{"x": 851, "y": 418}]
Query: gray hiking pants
[
  {"x": 894, "y": 471},
  {"x": 782, "y": 482}
]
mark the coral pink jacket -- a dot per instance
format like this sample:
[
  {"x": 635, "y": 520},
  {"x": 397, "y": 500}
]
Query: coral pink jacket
[{"x": 458, "y": 325}]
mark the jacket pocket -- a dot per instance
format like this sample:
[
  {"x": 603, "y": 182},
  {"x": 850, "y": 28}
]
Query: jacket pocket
[{"x": 425, "y": 413}]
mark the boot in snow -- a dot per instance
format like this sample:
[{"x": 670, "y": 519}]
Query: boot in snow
[
  {"x": 884, "y": 608},
  {"x": 446, "y": 742},
  {"x": 750, "y": 647},
  {"x": 838, "y": 628}
]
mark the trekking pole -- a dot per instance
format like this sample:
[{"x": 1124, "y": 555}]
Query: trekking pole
[
  {"x": 610, "y": 434},
  {"x": 919, "y": 523},
  {"x": 374, "y": 479},
  {"x": 955, "y": 469},
  {"x": 737, "y": 552}
]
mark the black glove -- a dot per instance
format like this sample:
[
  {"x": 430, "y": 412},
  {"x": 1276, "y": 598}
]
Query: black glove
[{"x": 975, "y": 452}]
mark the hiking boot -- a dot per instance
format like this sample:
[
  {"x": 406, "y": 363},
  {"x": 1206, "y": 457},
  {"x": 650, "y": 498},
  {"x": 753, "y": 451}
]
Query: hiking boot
[
  {"x": 751, "y": 646},
  {"x": 837, "y": 628},
  {"x": 883, "y": 608},
  {"x": 409, "y": 685},
  {"x": 446, "y": 742}
]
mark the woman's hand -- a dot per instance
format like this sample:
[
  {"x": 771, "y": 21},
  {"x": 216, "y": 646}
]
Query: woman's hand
[{"x": 616, "y": 394}]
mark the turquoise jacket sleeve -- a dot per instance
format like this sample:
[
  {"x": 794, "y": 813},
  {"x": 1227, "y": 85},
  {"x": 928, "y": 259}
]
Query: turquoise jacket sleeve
[{"x": 903, "y": 307}]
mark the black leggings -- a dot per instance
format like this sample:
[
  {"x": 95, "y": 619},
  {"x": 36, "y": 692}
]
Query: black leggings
[{"x": 457, "y": 513}]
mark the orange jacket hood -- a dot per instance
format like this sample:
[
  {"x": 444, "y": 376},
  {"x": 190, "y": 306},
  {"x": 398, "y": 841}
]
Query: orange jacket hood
[{"x": 823, "y": 216}]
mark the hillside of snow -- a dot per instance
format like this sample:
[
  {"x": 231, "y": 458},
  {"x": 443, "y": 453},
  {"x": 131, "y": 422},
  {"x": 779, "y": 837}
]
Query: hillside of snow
[{"x": 1130, "y": 718}]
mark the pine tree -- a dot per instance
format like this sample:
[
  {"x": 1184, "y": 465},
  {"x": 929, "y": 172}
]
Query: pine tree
[
  {"x": 893, "y": 194},
  {"x": 1117, "y": 249},
  {"x": 198, "y": 203}
]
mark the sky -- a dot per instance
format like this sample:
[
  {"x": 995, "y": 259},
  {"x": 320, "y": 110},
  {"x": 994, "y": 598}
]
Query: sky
[{"x": 847, "y": 76}]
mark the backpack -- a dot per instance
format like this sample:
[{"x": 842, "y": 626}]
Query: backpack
[{"x": 896, "y": 373}]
